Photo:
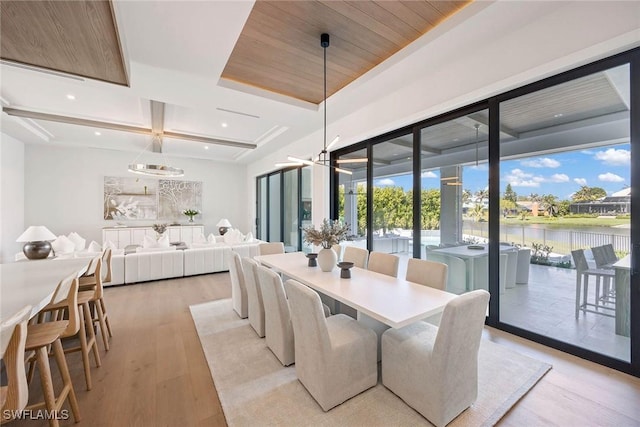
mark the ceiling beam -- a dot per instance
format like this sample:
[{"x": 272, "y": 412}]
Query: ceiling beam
[
  {"x": 119, "y": 127},
  {"x": 157, "y": 124}
]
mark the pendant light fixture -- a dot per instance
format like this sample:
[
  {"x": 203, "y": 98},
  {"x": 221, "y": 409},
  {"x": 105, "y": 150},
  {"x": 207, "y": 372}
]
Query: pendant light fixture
[
  {"x": 322, "y": 158},
  {"x": 153, "y": 169}
]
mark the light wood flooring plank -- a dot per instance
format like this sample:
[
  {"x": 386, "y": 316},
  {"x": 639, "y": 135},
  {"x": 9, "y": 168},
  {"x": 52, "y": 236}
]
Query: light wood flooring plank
[{"x": 156, "y": 374}]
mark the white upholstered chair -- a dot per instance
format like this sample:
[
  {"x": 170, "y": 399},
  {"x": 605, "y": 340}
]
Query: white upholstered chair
[
  {"x": 238, "y": 286},
  {"x": 383, "y": 263},
  {"x": 335, "y": 356},
  {"x": 357, "y": 256},
  {"x": 271, "y": 248},
  {"x": 427, "y": 273},
  {"x": 277, "y": 319},
  {"x": 456, "y": 271},
  {"x": 254, "y": 296},
  {"x": 435, "y": 370}
]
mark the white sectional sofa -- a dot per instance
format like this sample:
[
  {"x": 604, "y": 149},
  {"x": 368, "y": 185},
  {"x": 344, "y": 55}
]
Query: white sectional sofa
[{"x": 145, "y": 266}]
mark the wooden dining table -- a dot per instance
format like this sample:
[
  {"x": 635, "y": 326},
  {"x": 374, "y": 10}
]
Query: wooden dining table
[
  {"x": 33, "y": 282},
  {"x": 389, "y": 300}
]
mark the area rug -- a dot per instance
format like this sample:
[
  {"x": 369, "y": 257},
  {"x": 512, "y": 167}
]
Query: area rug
[{"x": 255, "y": 389}]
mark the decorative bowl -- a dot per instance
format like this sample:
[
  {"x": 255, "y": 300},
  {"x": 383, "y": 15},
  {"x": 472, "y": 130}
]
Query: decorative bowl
[
  {"x": 312, "y": 259},
  {"x": 345, "y": 273}
]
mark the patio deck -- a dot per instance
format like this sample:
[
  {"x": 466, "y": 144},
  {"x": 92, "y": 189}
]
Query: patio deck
[{"x": 546, "y": 305}]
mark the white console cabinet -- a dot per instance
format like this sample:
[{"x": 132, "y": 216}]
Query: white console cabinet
[{"x": 124, "y": 236}]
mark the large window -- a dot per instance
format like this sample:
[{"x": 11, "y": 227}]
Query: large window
[
  {"x": 529, "y": 195},
  {"x": 284, "y": 206},
  {"x": 565, "y": 201}
]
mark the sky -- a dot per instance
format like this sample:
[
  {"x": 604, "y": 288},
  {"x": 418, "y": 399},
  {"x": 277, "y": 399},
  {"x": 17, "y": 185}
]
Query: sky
[{"x": 559, "y": 174}]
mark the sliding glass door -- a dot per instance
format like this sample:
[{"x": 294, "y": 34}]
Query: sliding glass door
[
  {"x": 283, "y": 206},
  {"x": 528, "y": 194}
]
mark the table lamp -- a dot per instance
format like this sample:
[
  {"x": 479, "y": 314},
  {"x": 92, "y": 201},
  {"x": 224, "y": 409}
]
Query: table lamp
[
  {"x": 224, "y": 226},
  {"x": 36, "y": 246}
]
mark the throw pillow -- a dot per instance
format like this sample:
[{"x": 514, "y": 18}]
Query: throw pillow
[
  {"x": 63, "y": 245},
  {"x": 233, "y": 237},
  {"x": 249, "y": 237},
  {"x": 94, "y": 247},
  {"x": 110, "y": 245},
  {"x": 211, "y": 238},
  {"x": 163, "y": 242},
  {"x": 77, "y": 240},
  {"x": 149, "y": 242},
  {"x": 199, "y": 238}
]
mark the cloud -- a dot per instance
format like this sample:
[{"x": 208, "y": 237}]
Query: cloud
[
  {"x": 385, "y": 181},
  {"x": 559, "y": 177},
  {"x": 520, "y": 178},
  {"x": 428, "y": 174},
  {"x": 543, "y": 162},
  {"x": 580, "y": 181},
  {"x": 613, "y": 157},
  {"x": 610, "y": 177}
]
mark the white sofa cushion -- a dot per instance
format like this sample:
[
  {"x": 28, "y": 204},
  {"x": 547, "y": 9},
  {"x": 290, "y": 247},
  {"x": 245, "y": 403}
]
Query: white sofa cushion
[
  {"x": 233, "y": 237},
  {"x": 157, "y": 249},
  {"x": 94, "y": 247},
  {"x": 205, "y": 260},
  {"x": 63, "y": 245},
  {"x": 141, "y": 267},
  {"x": 78, "y": 241}
]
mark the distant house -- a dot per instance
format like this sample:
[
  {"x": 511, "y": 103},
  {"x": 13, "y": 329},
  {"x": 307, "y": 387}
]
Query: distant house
[{"x": 616, "y": 204}]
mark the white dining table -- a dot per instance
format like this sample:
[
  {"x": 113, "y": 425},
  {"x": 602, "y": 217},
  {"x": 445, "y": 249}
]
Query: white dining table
[
  {"x": 33, "y": 282},
  {"x": 389, "y": 300}
]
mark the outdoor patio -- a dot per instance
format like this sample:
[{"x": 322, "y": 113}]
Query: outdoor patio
[{"x": 546, "y": 305}]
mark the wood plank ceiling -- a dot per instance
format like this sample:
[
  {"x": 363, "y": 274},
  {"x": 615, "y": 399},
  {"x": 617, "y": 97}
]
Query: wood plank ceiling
[
  {"x": 279, "y": 47},
  {"x": 74, "y": 37}
]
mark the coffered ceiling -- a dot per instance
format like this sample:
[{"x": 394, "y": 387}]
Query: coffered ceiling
[
  {"x": 105, "y": 61},
  {"x": 279, "y": 47}
]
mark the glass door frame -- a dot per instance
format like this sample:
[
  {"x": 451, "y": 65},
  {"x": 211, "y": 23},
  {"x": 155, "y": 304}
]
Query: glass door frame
[
  {"x": 281, "y": 173},
  {"x": 631, "y": 57}
]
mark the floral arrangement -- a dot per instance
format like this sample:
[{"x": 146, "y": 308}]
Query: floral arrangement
[
  {"x": 330, "y": 233},
  {"x": 190, "y": 212},
  {"x": 159, "y": 228}
]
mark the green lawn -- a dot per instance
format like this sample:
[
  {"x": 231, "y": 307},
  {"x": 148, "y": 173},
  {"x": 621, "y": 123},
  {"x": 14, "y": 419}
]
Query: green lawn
[{"x": 565, "y": 222}]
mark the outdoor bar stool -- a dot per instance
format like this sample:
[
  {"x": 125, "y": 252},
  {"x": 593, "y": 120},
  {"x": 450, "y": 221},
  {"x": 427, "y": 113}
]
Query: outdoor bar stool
[
  {"x": 582, "y": 285},
  {"x": 602, "y": 259}
]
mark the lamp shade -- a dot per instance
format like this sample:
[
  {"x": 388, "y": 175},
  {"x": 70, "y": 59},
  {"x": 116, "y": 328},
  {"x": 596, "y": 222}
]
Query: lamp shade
[
  {"x": 224, "y": 222},
  {"x": 36, "y": 233}
]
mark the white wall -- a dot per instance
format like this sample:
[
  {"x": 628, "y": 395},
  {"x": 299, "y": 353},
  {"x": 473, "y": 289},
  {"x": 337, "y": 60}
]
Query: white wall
[
  {"x": 11, "y": 196},
  {"x": 498, "y": 47},
  {"x": 64, "y": 189}
]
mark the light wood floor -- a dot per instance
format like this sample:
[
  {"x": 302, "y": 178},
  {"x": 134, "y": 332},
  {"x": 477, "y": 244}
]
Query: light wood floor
[{"x": 156, "y": 375}]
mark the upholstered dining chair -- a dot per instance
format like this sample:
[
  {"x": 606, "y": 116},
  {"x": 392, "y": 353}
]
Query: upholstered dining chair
[
  {"x": 435, "y": 370},
  {"x": 42, "y": 336},
  {"x": 254, "y": 296},
  {"x": 91, "y": 287},
  {"x": 427, "y": 273},
  {"x": 456, "y": 271},
  {"x": 238, "y": 286},
  {"x": 271, "y": 248},
  {"x": 335, "y": 356},
  {"x": 277, "y": 319},
  {"x": 14, "y": 394},
  {"x": 383, "y": 263},
  {"x": 358, "y": 256}
]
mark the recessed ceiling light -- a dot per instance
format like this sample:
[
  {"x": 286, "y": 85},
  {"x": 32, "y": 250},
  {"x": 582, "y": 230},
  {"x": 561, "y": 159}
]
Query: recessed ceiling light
[
  {"x": 456, "y": 140},
  {"x": 71, "y": 96},
  {"x": 206, "y": 147},
  {"x": 224, "y": 125},
  {"x": 557, "y": 115},
  {"x": 97, "y": 133}
]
